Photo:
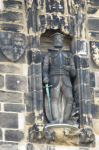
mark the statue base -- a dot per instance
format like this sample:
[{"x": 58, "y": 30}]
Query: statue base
[{"x": 61, "y": 134}]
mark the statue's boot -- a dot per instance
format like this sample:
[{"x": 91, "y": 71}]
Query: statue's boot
[
  {"x": 55, "y": 118},
  {"x": 68, "y": 109}
]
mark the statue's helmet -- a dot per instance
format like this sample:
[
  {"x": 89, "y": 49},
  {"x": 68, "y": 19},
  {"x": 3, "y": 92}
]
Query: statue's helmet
[{"x": 58, "y": 40}]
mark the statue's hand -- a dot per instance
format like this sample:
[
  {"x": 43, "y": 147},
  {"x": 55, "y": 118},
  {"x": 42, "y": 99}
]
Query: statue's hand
[
  {"x": 67, "y": 68},
  {"x": 46, "y": 80}
]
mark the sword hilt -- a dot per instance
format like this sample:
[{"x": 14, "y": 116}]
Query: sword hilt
[{"x": 47, "y": 86}]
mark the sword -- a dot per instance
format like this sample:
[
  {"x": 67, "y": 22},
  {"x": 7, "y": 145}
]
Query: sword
[{"x": 48, "y": 98}]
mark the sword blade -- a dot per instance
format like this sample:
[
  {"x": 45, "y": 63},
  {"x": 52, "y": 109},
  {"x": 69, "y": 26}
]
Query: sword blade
[{"x": 49, "y": 103}]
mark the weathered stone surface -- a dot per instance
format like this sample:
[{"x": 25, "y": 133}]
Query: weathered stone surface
[
  {"x": 29, "y": 147},
  {"x": 1, "y": 81},
  {"x": 94, "y": 48},
  {"x": 97, "y": 79},
  {"x": 28, "y": 101},
  {"x": 12, "y": 45},
  {"x": 8, "y": 146},
  {"x": 93, "y": 24},
  {"x": 94, "y": 2},
  {"x": 11, "y": 27},
  {"x": 95, "y": 111},
  {"x": 92, "y": 10},
  {"x": 14, "y": 107},
  {"x": 11, "y": 16},
  {"x": 96, "y": 92},
  {"x": 92, "y": 95},
  {"x": 94, "y": 35},
  {"x": 34, "y": 69},
  {"x": 16, "y": 82},
  {"x": 10, "y": 4},
  {"x": 11, "y": 68},
  {"x": 10, "y": 97},
  {"x": 92, "y": 79},
  {"x": 0, "y": 134},
  {"x": 0, "y": 106},
  {"x": 9, "y": 120},
  {"x": 14, "y": 135}
]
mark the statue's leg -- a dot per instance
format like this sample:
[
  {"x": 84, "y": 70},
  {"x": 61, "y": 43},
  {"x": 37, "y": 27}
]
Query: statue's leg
[
  {"x": 69, "y": 101},
  {"x": 54, "y": 94}
]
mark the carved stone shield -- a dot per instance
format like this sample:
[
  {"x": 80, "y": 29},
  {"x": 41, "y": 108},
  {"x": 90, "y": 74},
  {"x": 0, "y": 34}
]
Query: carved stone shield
[
  {"x": 12, "y": 45},
  {"x": 94, "y": 47}
]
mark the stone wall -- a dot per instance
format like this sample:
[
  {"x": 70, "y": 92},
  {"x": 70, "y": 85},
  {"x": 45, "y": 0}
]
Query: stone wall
[{"x": 22, "y": 46}]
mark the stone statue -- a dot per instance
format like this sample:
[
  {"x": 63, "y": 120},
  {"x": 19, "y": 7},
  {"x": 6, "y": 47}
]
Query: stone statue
[{"x": 58, "y": 67}]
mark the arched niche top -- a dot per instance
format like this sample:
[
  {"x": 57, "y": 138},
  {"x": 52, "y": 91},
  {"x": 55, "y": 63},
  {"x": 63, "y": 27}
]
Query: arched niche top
[{"x": 66, "y": 23}]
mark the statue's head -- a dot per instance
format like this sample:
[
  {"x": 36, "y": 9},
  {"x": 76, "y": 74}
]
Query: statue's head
[{"x": 58, "y": 40}]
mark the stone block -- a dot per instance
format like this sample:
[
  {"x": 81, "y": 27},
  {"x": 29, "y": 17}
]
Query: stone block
[
  {"x": 16, "y": 82},
  {"x": 14, "y": 135},
  {"x": 93, "y": 24},
  {"x": 0, "y": 106},
  {"x": 94, "y": 2},
  {"x": 10, "y": 16},
  {"x": 11, "y": 27},
  {"x": 10, "y": 97},
  {"x": 0, "y": 134},
  {"x": 10, "y": 4},
  {"x": 14, "y": 107},
  {"x": 8, "y": 120},
  {"x": 11, "y": 68},
  {"x": 96, "y": 92},
  {"x": 92, "y": 10},
  {"x": 28, "y": 101},
  {"x": 93, "y": 35},
  {"x": 95, "y": 111},
  {"x": 92, "y": 79},
  {"x": 8, "y": 146},
  {"x": 1, "y": 81}
]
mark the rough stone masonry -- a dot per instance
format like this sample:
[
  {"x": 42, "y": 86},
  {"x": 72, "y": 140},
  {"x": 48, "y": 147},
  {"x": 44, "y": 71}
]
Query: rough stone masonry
[{"x": 25, "y": 30}]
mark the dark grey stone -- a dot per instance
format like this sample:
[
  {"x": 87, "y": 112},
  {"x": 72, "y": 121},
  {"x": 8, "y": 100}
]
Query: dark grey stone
[
  {"x": 10, "y": 97},
  {"x": 95, "y": 111},
  {"x": 8, "y": 146},
  {"x": 29, "y": 147},
  {"x": 11, "y": 68},
  {"x": 12, "y": 4},
  {"x": 9, "y": 120},
  {"x": 92, "y": 95},
  {"x": 11, "y": 16},
  {"x": 16, "y": 82},
  {"x": 28, "y": 101},
  {"x": 14, "y": 107},
  {"x": 94, "y": 2},
  {"x": 1, "y": 81},
  {"x": 93, "y": 24},
  {"x": 14, "y": 135},
  {"x": 92, "y": 79},
  {"x": 0, "y": 134},
  {"x": 11, "y": 27},
  {"x": 12, "y": 45},
  {"x": 92, "y": 10},
  {"x": 0, "y": 106},
  {"x": 94, "y": 35},
  {"x": 96, "y": 93},
  {"x": 34, "y": 69}
]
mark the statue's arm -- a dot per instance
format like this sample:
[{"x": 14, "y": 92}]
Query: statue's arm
[
  {"x": 46, "y": 68},
  {"x": 72, "y": 70}
]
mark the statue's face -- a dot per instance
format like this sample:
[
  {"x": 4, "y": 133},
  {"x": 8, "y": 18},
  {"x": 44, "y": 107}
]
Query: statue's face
[{"x": 58, "y": 42}]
